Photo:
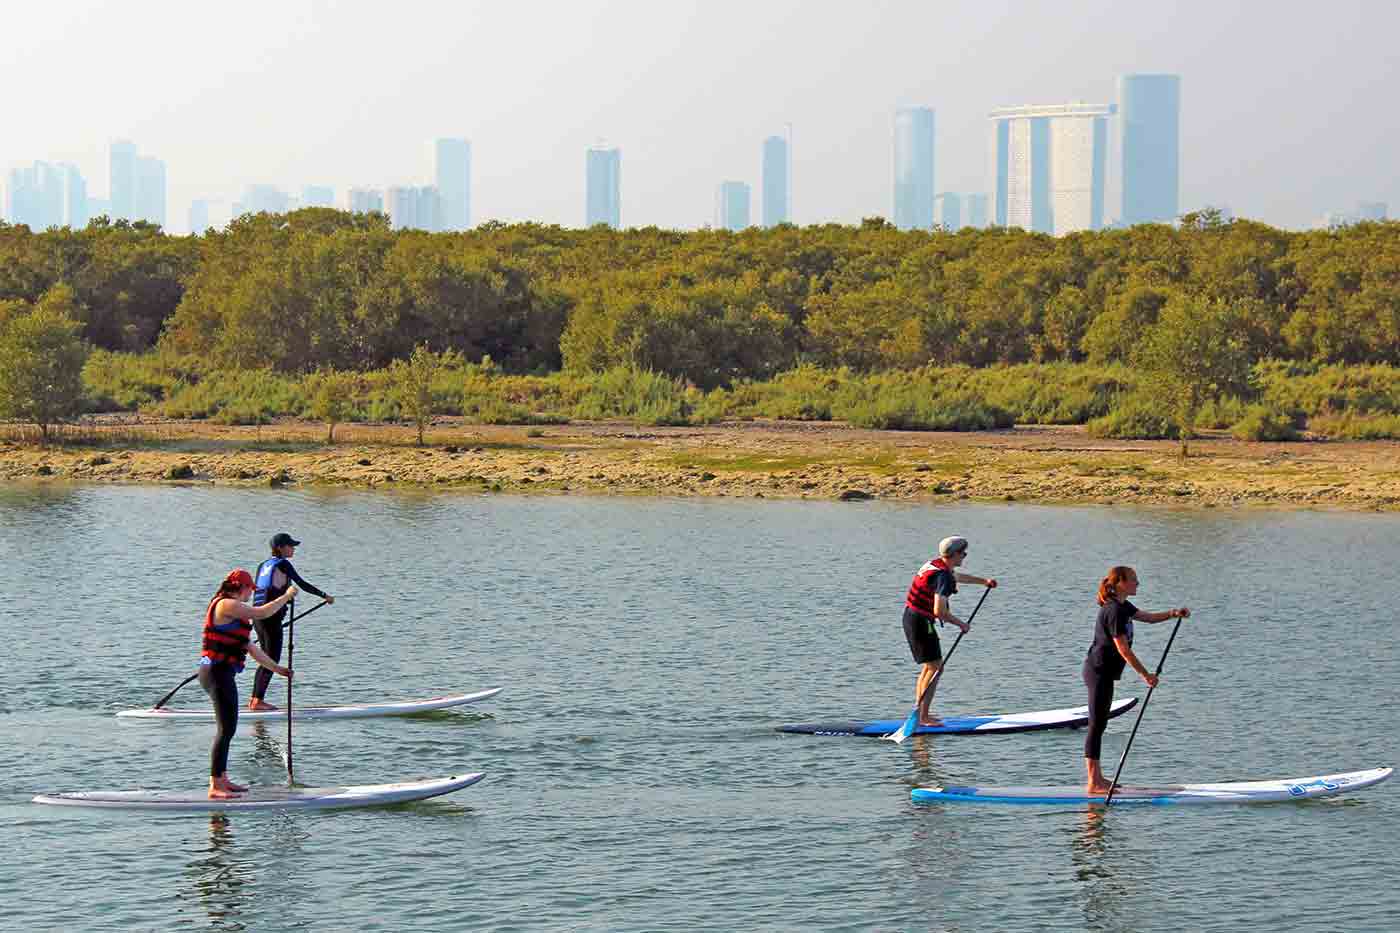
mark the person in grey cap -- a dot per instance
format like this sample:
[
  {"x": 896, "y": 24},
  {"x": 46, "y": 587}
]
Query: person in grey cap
[
  {"x": 927, "y": 602},
  {"x": 272, "y": 579}
]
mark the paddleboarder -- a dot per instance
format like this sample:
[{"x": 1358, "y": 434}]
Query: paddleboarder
[
  {"x": 274, "y": 575},
  {"x": 926, "y": 603},
  {"x": 226, "y": 644},
  {"x": 1110, "y": 653}
]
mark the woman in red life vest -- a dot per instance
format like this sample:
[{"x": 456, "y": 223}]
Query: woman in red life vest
[
  {"x": 228, "y": 623},
  {"x": 926, "y": 603},
  {"x": 1111, "y": 651}
]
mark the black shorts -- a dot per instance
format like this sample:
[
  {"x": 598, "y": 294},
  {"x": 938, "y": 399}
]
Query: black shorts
[{"x": 923, "y": 640}]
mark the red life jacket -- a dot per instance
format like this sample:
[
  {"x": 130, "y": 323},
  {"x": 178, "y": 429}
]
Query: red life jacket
[
  {"x": 921, "y": 594},
  {"x": 226, "y": 643}
]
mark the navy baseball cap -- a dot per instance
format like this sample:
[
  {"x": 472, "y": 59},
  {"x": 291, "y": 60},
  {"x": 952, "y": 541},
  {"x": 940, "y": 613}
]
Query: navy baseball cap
[{"x": 282, "y": 539}]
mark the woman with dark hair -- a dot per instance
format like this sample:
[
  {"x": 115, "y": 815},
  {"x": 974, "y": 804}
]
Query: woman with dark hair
[
  {"x": 228, "y": 623},
  {"x": 1111, "y": 651}
]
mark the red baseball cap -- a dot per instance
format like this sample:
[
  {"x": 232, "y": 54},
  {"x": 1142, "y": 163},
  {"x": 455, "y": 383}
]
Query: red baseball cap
[{"x": 239, "y": 578}]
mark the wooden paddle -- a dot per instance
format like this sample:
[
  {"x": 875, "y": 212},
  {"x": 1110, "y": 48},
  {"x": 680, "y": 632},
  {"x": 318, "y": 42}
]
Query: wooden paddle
[
  {"x": 1142, "y": 709},
  {"x": 910, "y": 724}
]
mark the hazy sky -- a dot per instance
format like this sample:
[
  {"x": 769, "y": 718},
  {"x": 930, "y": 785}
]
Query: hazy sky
[{"x": 1289, "y": 107}]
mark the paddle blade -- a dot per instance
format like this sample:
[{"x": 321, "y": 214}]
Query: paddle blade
[{"x": 904, "y": 731}]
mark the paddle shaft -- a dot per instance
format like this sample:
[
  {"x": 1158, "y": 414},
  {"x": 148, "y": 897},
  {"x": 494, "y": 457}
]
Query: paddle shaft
[
  {"x": 1145, "y": 700},
  {"x": 942, "y": 665},
  {"x": 291, "y": 643}
]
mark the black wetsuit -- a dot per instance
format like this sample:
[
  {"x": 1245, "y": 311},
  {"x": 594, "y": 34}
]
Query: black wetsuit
[
  {"x": 219, "y": 680},
  {"x": 270, "y": 629},
  {"x": 1103, "y": 666}
]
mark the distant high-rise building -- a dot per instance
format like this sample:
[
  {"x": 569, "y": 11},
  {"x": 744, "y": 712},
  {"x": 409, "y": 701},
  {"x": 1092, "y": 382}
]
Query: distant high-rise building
[
  {"x": 413, "y": 208},
  {"x": 34, "y": 196},
  {"x": 452, "y": 162},
  {"x": 199, "y": 217},
  {"x": 75, "y": 199},
  {"x": 1049, "y": 165},
  {"x": 947, "y": 211},
  {"x": 150, "y": 190},
  {"x": 776, "y": 209},
  {"x": 732, "y": 206},
  {"x": 1149, "y": 120},
  {"x": 976, "y": 210},
  {"x": 913, "y": 168},
  {"x": 365, "y": 201},
  {"x": 317, "y": 196},
  {"x": 604, "y": 204},
  {"x": 1371, "y": 210},
  {"x": 122, "y": 182},
  {"x": 265, "y": 199}
]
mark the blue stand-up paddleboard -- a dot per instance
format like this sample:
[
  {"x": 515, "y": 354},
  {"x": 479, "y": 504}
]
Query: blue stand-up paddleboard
[
  {"x": 1071, "y": 718},
  {"x": 1303, "y": 788},
  {"x": 272, "y": 797}
]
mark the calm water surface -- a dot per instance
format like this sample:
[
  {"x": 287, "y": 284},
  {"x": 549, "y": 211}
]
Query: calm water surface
[{"x": 648, "y": 648}]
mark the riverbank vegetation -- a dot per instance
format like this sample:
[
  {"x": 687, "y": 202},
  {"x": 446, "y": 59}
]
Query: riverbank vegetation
[{"x": 1153, "y": 331}]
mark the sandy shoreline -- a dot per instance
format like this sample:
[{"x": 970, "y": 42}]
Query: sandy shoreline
[{"x": 745, "y": 459}]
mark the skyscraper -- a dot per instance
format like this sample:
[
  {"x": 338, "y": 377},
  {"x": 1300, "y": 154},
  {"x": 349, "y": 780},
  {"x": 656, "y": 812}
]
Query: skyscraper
[
  {"x": 34, "y": 196},
  {"x": 1371, "y": 210},
  {"x": 604, "y": 203},
  {"x": 775, "y": 181},
  {"x": 975, "y": 207},
  {"x": 947, "y": 211},
  {"x": 452, "y": 162},
  {"x": 317, "y": 196},
  {"x": 150, "y": 190},
  {"x": 365, "y": 200},
  {"x": 1049, "y": 166},
  {"x": 122, "y": 184},
  {"x": 732, "y": 206},
  {"x": 199, "y": 217},
  {"x": 1149, "y": 108},
  {"x": 913, "y": 168},
  {"x": 265, "y": 199},
  {"x": 413, "y": 208}
]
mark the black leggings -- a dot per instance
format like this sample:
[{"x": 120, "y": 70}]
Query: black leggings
[
  {"x": 218, "y": 680},
  {"x": 270, "y": 641},
  {"x": 1100, "y": 703}
]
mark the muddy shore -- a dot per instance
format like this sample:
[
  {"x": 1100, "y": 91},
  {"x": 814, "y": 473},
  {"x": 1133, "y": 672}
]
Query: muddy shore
[{"x": 745, "y": 459}]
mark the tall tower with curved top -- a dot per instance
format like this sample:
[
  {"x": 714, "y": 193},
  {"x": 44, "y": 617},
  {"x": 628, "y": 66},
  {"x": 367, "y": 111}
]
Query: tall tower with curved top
[{"x": 1149, "y": 108}]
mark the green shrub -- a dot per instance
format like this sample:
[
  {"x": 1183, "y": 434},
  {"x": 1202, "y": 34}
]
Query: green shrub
[
  {"x": 1262, "y": 423},
  {"x": 1357, "y": 427},
  {"x": 639, "y": 395},
  {"x": 1136, "y": 418},
  {"x": 1222, "y": 412}
]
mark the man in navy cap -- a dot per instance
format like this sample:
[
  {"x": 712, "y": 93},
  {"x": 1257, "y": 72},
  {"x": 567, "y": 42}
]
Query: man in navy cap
[{"x": 272, "y": 579}]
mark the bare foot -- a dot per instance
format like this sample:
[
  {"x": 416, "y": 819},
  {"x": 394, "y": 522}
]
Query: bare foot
[
  {"x": 931, "y": 721},
  {"x": 1098, "y": 790},
  {"x": 220, "y": 793},
  {"x": 256, "y": 704},
  {"x": 236, "y": 788}
]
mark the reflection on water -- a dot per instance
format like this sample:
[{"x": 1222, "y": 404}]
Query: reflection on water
[
  {"x": 223, "y": 884},
  {"x": 1106, "y": 877}
]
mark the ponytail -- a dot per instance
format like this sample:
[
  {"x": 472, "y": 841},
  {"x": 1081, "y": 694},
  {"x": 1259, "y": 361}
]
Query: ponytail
[{"x": 1108, "y": 586}]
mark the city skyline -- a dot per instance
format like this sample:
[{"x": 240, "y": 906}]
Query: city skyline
[{"x": 1274, "y": 123}]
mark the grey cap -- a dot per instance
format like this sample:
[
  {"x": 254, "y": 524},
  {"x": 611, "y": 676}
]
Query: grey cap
[{"x": 954, "y": 544}]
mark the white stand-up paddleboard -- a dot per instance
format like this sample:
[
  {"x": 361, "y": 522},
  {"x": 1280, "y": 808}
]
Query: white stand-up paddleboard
[
  {"x": 1304, "y": 788},
  {"x": 989, "y": 724},
  {"x": 359, "y": 711},
  {"x": 264, "y": 798}
]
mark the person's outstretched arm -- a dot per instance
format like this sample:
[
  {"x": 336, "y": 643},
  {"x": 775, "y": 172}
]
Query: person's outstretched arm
[{"x": 305, "y": 587}]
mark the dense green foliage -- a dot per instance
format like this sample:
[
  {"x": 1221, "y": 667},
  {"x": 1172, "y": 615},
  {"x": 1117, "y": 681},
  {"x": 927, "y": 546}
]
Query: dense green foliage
[
  {"x": 41, "y": 360},
  {"x": 867, "y": 323}
]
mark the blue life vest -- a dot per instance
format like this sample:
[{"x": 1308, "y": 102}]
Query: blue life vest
[{"x": 263, "y": 590}]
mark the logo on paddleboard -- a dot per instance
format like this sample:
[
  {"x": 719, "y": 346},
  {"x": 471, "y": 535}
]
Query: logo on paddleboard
[{"x": 1300, "y": 790}]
